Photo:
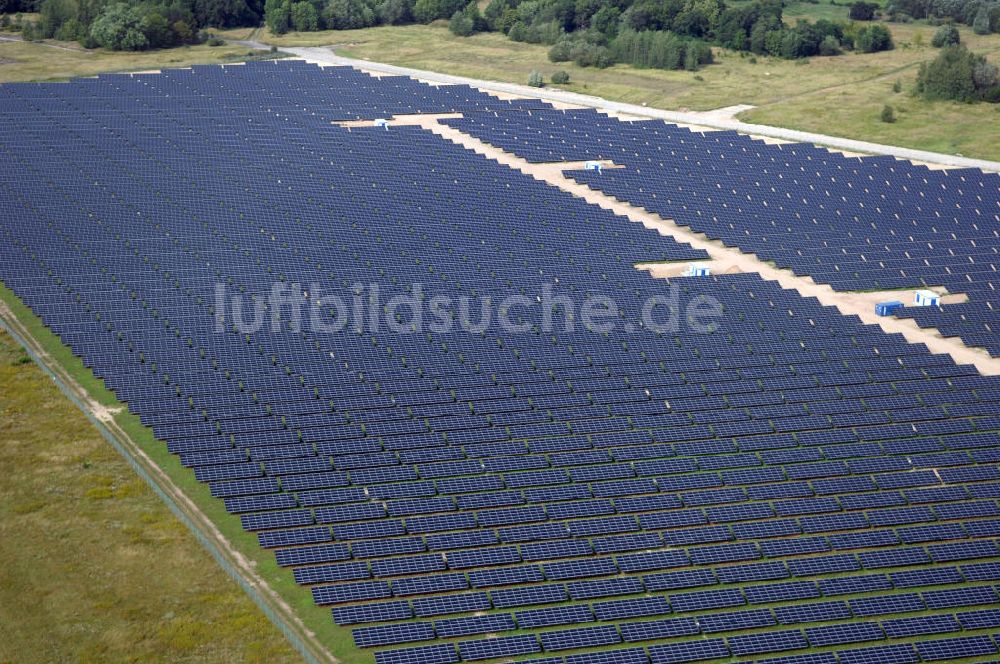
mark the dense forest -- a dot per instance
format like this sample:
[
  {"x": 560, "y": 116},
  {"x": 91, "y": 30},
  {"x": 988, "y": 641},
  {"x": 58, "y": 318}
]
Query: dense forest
[
  {"x": 669, "y": 34},
  {"x": 133, "y": 25},
  {"x": 982, "y": 16}
]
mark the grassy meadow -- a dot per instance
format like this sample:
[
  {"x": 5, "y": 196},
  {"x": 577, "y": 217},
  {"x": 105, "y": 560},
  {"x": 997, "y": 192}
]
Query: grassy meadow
[{"x": 80, "y": 534}]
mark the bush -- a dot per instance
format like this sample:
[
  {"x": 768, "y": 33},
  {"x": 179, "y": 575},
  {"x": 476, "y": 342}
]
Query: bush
[
  {"x": 119, "y": 28},
  {"x": 304, "y": 17},
  {"x": 981, "y": 24},
  {"x": 659, "y": 50},
  {"x": 897, "y": 87},
  {"x": 535, "y": 79},
  {"x": 348, "y": 15},
  {"x": 958, "y": 75},
  {"x": 829, "y": 46},
  {"x": 946, "y": 35},
  {"x": 873, "y": 38},
  {"x": 560, "y": 77},
  {"x": 586, "y": 54},
  {"x": 888, "y": 114},
  {"x": 425, "y": 11},
  {"x": 395, "y": 12},
  {"x": 461, "y": 25},
  {"x": 278, "y": 16},
  {"x": 68, "y": 31},
  {"x": 562, "y": 51}
]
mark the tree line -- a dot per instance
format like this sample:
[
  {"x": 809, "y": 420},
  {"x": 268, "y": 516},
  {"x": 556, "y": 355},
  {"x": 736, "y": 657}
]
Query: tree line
[
  {"x": 673, "y": 34},
  {"x": 983, "y": 16},
  {"x": 135, "y": 25}
]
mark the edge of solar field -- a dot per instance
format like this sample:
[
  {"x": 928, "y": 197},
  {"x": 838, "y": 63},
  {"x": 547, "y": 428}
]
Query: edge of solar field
[
  {"x": 307, "y": 626},
  {"x": 326, "y": 56}
]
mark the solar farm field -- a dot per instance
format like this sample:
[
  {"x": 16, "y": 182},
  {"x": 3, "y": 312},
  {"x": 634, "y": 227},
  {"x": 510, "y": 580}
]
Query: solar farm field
[{"x": 431, "y": 398}]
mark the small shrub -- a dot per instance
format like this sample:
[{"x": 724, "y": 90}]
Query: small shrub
[
  {"x": 829, "y": 46},
  {"x": 981, "y": 24},
  {"x": 461, "y": 25},
  {"x": 535, "y": 79},
  {"x": 752, "y": 60},
  {"x": 946, "y": 35},
  {"x": 897, "y": 87},
  {"x": 560, "y": 78},
  {"x": 888, "y": 114},
  {"x": 215, "y": 41},
  {"x": 873, "y": 38},
  {"x": 562, "y": 51}
]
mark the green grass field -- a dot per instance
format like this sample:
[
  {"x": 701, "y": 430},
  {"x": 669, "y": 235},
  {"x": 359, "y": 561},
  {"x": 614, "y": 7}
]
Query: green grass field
[
  {"x": 79, "y": 535},
  {"x": 840, "y": 96},
  {"x": 29, "y": 61}
]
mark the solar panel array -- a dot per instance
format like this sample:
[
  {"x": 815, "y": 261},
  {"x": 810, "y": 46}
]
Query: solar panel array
[
  {"x": 792, "y": 486},
  {"x": 857, "y": 224}
]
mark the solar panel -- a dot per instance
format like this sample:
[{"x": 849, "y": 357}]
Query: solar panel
[
  {"x": 625, "y": 656},
  {"x": 959, "y": 647},
  {"x": 631, "y": 608},
  {"x": 688, "y": 651},
  {"x": 528, "y": 595},
  {"x": 766, "y": 642},
  {"x": 549, "y": 617},
  {"x": 580, "y": 590},
  {"x": 886, "y": 604},
  {"x": 371, "y": 613},
  {"x": 736, "y": 620},
  {"x": 350, "y": 592},
  {"x": 488, "y": 624},
  {"x": 383, "y": 635},
  {"x": 580, "y": 637},
  {"x": 968, "y": 596},
  {"x": 436, "y": 654},
  {"x": 506, "y": 646},
  {"x": 812, "y": 612},
  {"x": 901, "y": 654},
  {"x": 462, "y": 603},
  {"x": 832, "y": 635}
]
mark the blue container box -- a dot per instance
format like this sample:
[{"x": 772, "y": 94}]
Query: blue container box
[{"x": 888, "y": 308}]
